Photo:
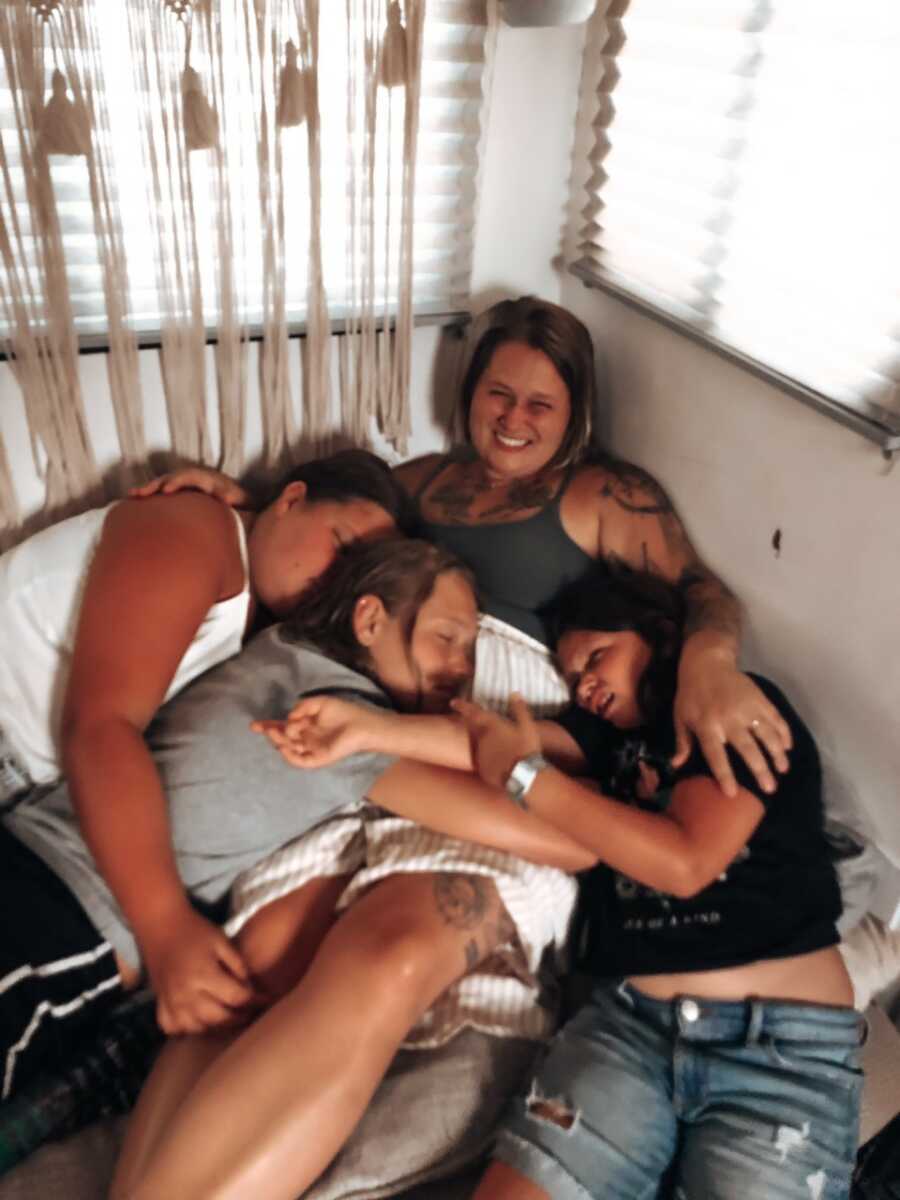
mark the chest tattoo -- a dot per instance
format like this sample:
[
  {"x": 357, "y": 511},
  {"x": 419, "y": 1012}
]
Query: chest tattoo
[{"x": 453, "y": 501}]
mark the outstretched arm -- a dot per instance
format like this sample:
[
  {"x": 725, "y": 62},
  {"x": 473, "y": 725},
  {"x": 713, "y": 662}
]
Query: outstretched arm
[
  {"x": 321, "y": 730},
  {"x": 463, "y": 806},
  {"x": 716, "y": 702}
]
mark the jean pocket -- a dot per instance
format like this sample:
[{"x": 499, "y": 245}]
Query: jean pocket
[{"x": 829, "y": 1062}]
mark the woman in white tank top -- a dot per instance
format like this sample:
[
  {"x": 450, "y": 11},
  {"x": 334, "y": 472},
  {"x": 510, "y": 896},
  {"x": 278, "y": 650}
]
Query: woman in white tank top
[{"x": 106, "y": 615}]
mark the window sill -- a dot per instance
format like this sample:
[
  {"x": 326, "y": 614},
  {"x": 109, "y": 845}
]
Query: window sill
[{"x": 150, "y": 339}]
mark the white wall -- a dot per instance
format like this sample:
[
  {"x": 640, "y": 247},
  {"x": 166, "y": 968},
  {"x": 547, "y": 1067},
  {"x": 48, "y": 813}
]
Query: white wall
[{"x": 527, "y": 155}]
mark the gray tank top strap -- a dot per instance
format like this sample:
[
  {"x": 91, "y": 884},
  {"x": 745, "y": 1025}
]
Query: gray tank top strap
[{"x": 568, "y": 476}]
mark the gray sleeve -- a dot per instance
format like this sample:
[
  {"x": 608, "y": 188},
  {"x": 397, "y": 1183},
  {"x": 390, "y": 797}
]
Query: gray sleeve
[{"x": 232, "y": 798}]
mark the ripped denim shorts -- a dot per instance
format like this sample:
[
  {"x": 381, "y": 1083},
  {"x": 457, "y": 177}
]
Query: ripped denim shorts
[{"x": 719, "y": 1100}]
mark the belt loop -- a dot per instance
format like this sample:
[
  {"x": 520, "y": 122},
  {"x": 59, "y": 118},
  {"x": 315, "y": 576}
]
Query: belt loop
[{"x": 755, "y": 1024}]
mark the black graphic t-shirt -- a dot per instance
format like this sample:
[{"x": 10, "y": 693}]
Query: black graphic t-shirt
[{"x": 778, "y": 897}]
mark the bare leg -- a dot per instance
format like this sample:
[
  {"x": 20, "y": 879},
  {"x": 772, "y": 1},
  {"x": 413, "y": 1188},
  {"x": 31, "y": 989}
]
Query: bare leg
[
  {"x": 278, "y": 944},
  {"x": 505, "y": 1183},
  {"x": 271, "y": 1113}
]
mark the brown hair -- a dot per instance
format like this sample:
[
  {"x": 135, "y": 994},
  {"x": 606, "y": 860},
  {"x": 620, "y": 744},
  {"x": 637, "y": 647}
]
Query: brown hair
[
  {"x": 618, "y": 597},
  {"x": 402, "y": 572},
  {"x": 566, "y": 342},
  {"x": 352, "y": 475}
]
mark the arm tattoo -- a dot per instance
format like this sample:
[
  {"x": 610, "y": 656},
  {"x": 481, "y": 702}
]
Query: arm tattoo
[
  {"x": 472, "y": 953},
  {"x": 625, "y": 480},
  {"x": 462, "y": 900},
  {"x": 638, "y": 493},
  {"x": 709, "y": 605}
]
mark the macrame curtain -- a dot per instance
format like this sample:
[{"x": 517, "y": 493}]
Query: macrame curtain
[
  {"x": 41, "y": 341},
  {"x": 230, "y": 110}
]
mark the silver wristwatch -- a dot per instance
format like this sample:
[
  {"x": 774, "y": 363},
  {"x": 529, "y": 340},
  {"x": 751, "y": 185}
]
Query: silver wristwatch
[{"x": 523, "y": 775}]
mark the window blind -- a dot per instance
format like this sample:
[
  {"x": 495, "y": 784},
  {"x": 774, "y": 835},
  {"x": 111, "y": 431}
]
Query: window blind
[
  {"x": 453, "y": 80},
  {"x": 745, "y": 180}
]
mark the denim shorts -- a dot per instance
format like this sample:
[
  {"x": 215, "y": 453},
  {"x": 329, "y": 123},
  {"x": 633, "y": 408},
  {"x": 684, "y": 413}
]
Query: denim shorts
[{"x": 723, "y": 1100}]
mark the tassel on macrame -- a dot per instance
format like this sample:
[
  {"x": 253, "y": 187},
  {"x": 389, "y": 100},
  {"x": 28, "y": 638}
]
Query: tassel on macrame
[
  {"x": 392, "y": 70},
  {"x": 201, "y": 125},
  {"x": 64, "y": 127},
  {"x": 291, "y": 91}
]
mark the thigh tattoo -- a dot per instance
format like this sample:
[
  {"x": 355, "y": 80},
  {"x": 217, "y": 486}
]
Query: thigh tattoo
[
  {"x": 470, "y": 904},
  {"x": 462, "y": 900}
]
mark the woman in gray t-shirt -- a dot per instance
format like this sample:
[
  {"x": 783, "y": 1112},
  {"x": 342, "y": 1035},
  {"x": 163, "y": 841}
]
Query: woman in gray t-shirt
[{"x": 403, "y": 615}]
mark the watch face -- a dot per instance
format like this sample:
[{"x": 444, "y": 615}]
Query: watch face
[
  {"x": 515, "y": 785},
  {"x": 523, "y": 774}
]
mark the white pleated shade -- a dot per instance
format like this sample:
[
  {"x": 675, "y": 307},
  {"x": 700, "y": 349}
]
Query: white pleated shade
[{"x": 745, "y": 179}]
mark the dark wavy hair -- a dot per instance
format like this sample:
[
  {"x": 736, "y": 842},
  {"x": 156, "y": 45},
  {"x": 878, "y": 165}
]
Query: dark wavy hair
[
  {"x": 353, "y": 475},
  {"x": 613, "y": 598},
  {"x": 402, "y": 572},
  {"x": 566, "y": 342}
]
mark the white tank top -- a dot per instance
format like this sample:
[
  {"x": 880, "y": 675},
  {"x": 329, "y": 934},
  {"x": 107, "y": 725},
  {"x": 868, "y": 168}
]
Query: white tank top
[{"x": 41, "y": 584}]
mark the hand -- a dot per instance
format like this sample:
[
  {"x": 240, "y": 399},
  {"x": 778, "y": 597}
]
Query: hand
[
  {"x": 498, "y": 742},
  {"x": 720, "y": 705},
  {"x": 198, "y": 479},
  {"x": 319, "y": 731},
  {"x": 200, "y": 980}
]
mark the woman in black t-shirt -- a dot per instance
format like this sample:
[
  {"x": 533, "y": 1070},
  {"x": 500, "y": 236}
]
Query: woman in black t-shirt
[{"x": 719, "y": 1046}]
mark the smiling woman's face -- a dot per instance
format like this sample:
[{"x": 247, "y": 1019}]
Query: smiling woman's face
[
  {"x": 603, "y": 671},
  {"x": 520, "y": 412}
]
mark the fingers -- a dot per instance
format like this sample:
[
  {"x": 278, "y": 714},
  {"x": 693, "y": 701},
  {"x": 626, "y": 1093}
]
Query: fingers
[
  {"x": 682, "y": 743},
  {"x": 311, "y": 707},
  {"x": 216, "y": 1000},
  {"x": 147, "y": 489},
  {"x": 232, "y": 959},
  {"x": 268, "y": 727},
  {"x": 521, "y": 713},
  {"x": 204, "y": 1013},
  {"x": 748, "y": 748},
  {"x": 476, "y": 718},
  {"x": 713, "y": 743},
  {"x": 275, "y": 731},
  {"x": 774, "y": 734},
  {"x": 713, "y": 748},
  {"x": 307, "y": 757}
]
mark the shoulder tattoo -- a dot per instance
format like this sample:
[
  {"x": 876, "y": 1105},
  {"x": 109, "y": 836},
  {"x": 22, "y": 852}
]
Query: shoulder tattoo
[{"x": 625, "y": 483}]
